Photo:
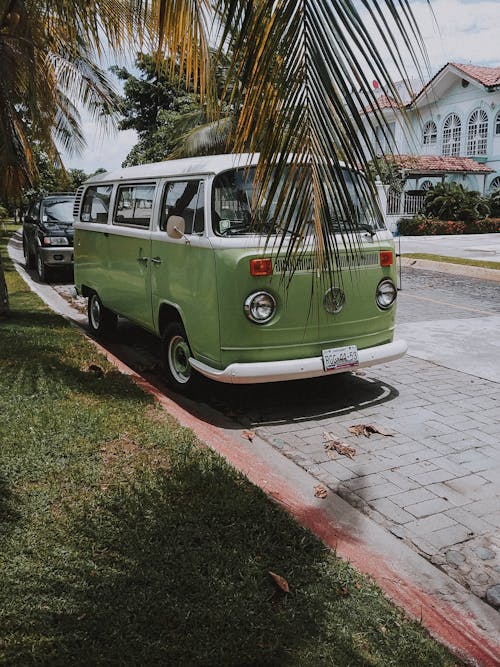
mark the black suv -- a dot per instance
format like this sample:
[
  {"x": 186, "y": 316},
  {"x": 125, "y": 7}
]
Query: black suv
[{"x": 48, "y": 233}]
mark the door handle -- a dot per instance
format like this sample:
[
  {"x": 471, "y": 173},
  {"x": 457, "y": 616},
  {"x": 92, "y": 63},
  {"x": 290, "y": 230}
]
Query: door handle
[
  {"x": 156, "y": 260},
  {"x": 143, "y": 259}
]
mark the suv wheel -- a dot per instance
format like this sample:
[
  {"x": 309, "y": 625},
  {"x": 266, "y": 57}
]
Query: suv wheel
[
  {"x": 28, "y": 256},
  {"x": 102, "y": 321},
  {"x": 41, "y": 268}
]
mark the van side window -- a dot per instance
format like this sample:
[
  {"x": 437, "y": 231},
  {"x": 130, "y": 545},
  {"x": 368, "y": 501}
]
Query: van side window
[
  {"x": 185, "y": 198},
  {"x": 95, "y": 205},
  {"x": 134, "y": 204}
]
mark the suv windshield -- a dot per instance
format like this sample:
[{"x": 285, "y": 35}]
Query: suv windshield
[
  {"x": 57, "y": 210},
  {"x": 232, "y": 212}
]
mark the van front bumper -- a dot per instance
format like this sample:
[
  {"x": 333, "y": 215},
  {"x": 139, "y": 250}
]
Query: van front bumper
[{"x": 297, "y": 369}]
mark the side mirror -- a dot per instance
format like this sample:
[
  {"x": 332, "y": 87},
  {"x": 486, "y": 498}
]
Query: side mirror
[{"x": 176, "y": 227}]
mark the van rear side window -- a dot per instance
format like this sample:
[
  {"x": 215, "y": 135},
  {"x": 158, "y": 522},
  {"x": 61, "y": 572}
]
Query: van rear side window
[
  {"x": 95, "y": 205},
  {"x": 134, "y": 204}
]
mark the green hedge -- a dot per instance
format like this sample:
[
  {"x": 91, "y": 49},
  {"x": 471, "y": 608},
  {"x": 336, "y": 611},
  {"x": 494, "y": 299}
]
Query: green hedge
[{"x": 421, "y": 226}]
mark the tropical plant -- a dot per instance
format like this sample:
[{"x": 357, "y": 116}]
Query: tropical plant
[
  {"x": 299, "y": 67},
  {"x": 494, "y": 202},
  {"x": 451, "y": 201},
  {"x": 158, "y": 105}
]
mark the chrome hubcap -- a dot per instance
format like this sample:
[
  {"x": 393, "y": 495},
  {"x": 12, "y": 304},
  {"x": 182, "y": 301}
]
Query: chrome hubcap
[{"x": 178, "y": 359}]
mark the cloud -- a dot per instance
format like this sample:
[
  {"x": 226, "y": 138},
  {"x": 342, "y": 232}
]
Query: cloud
[
  {"x": 106, "y": 150},
  {"x": 467, "y": 31}
]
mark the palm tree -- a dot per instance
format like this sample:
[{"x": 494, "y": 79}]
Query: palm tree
[{"x": 298, "y": 66}]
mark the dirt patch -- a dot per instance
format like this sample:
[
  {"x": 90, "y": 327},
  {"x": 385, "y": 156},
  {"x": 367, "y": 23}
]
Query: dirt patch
[{"x": 123, "y": 458}]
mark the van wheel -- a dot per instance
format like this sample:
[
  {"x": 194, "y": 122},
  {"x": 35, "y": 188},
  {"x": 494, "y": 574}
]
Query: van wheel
[
  {"x": 41, "y": 270},
  {"x": 102, "y": 321},
  {"x": 28, "y": 257},
  {"x": 175, "y": 356}
]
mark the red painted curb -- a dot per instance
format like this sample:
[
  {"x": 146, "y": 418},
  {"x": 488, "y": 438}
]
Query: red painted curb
[{"x": 444, "y": 622}]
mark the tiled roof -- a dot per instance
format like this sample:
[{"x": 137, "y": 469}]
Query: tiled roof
[
  {"x": 383, "y": 102},
  {"x": 440, "y": 164},
  {"x": 488, "y": 76}
]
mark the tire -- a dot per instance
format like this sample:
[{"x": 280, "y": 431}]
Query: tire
[
  {"x": 28, "y": 256},
  {"x": 41, "y": 269},
  {"x": 102, "y": 321},
  {"x": 175, "y": 352}
]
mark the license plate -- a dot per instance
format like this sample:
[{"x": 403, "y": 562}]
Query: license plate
[{"x": 340, "y": 357}]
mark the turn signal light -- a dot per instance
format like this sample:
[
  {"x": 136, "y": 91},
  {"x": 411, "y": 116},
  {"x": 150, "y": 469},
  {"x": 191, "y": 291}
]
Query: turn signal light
[
  {"x": 261, "y": 267},
  {"x": 386, "y": 258}
]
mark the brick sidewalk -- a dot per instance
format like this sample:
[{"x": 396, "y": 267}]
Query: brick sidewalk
[{"x": 434, "y": 483}]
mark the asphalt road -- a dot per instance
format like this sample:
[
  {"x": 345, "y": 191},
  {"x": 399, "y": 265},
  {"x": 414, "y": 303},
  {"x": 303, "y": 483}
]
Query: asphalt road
[{"x": 451, "y": 320}]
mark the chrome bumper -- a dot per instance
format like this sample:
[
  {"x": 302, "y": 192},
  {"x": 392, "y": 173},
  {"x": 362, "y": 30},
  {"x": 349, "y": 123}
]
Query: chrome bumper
[{"x": 297, "y": 369}]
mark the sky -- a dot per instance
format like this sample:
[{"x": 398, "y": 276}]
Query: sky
[{"x": 463, "y": 31}]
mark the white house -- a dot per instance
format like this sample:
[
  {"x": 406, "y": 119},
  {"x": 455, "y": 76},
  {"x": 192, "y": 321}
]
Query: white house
[{"x": 454, "y": 135}]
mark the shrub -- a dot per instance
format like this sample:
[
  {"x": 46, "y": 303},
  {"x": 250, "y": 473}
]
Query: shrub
[
  {"x": 421, "y": 226},
  {"x": 452, "y": 202},
  {"x": 484, "y": 226},
  {"x": 494, "y": 203}
]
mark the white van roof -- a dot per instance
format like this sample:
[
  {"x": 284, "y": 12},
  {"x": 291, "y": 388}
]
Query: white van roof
[{"x": 210, "y": 164}]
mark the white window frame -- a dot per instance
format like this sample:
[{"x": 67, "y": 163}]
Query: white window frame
[
  {"x": 430, "y": 133},
  {"x": 452, "y": 135},
  {"x": 497, "y": 124},
  {"x": 495, "y": 184},
  {"x": 477, "y": 133}
]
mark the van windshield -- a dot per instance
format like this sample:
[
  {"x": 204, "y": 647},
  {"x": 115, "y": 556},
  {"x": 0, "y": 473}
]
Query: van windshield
[{"x": 232, "y": 213}]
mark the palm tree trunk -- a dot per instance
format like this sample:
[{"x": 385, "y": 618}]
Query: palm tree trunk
[{"x": 4, "y": 296}]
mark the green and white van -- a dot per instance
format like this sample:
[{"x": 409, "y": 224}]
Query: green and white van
[{"x": 169, "y": 246}]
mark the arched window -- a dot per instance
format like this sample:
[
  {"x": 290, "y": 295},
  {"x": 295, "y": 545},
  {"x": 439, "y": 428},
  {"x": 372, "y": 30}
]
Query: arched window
[
  {"x": 477, "y": 133},
  {"x": 495, "y": 184},
  {"x": 426, "y": 185},
  {"x": 430, "y": 133},
  {"x": 497, "y": 124},
  {"x": 452, "y": 134}
]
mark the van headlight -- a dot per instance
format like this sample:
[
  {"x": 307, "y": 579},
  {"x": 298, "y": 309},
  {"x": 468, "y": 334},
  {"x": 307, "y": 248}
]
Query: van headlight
[
  {"x": 386, "y": 294},
  {"x": 259, "y": 307}
]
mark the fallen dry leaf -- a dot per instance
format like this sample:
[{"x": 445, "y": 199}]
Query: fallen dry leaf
[
  {"x": 368, "y": 429},
  {"x": 249, "y": 435},
  {"x": 332, "y": 443},
  {"x": 320, "y": 491},
  {"x": 280, "y": 582}
]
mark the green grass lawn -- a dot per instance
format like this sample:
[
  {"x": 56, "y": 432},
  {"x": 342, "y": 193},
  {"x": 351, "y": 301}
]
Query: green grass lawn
[
  {"x": 453, "y": 260},
  {"x": 124, "y": 541}
]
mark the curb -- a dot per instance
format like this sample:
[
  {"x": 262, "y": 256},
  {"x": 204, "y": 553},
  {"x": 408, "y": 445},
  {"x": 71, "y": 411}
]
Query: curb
[
  {"x": 452, "y": 615},
  {"x": 449, "y": 267}
]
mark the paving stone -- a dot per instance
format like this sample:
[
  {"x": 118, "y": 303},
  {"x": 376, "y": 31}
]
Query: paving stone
[
  {"x": 433, "y": 477},
  {"x": 484, "y": 554},
  {"x": 390, "y": 510},
  {"x": 430, "y": 524},
  {"x": 378, "y": 491},
  {"x": 448, "y": 536},
  {"x": 413, "y": 496},
  {"x": 469, "y": 520},
  {"x": 444, "y": 491},
  {"x": 428, "y": 507},
  {"x": 455, "y": 557},
  {"x": 485, "y": 506},
  {"x": 493, "y": 595}
]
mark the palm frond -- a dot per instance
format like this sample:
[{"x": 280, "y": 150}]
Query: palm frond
[{"x": 304, "y": 69}]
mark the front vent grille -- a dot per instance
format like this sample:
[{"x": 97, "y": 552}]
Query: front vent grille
[{"x": 308, "y": 263}]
